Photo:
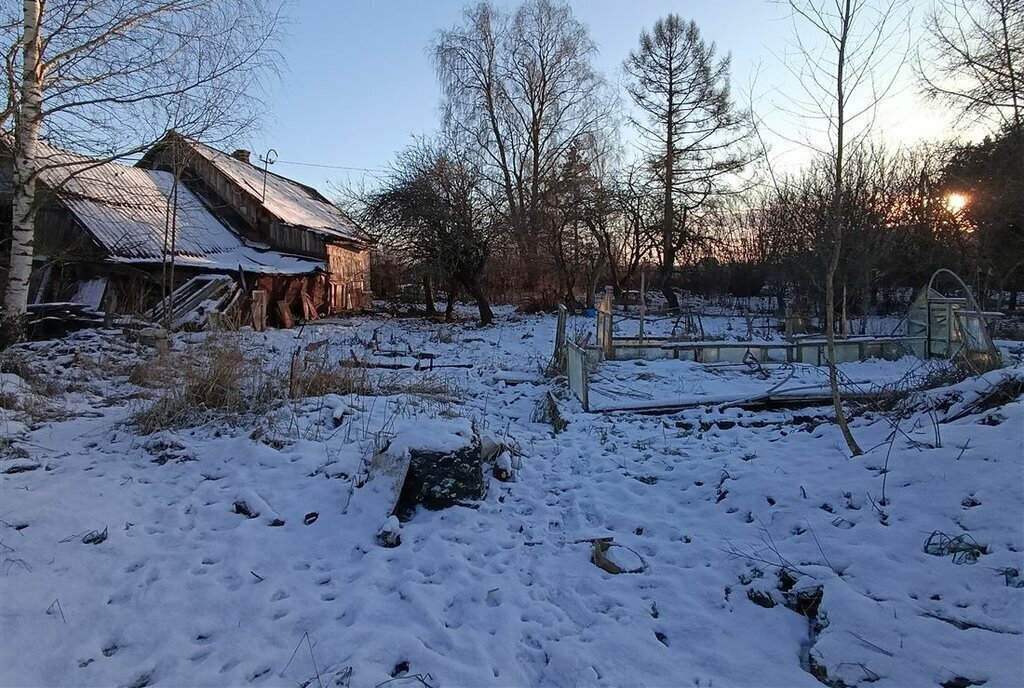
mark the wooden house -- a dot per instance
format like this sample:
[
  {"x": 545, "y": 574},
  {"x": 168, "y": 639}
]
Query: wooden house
[
  {"x": 111, "y": 235},
  {"x": 274, "y": 212},
  {"x": 114, "y": 236}
]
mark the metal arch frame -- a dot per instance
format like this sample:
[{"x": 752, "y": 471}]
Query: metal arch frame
[{"x": 972, "y": 302}]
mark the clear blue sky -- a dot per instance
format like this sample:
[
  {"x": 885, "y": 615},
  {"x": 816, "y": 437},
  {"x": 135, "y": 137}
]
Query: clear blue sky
[{"x": 357, "y": 83}]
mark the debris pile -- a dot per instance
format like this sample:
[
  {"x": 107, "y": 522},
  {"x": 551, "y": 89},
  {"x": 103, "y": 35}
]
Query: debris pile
[
  {"x": 50, "y": 320},
  {"x": 199, "y": 303}
]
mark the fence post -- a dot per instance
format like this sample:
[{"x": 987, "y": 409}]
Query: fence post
[
  {"x": 643, "y": 306},
  {"x": 563, "y": 315},
  {"x": 604, "y": 324}
]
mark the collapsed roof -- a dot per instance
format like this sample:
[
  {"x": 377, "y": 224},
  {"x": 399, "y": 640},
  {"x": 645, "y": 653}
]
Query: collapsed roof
[{"x": 133, "y": 213}]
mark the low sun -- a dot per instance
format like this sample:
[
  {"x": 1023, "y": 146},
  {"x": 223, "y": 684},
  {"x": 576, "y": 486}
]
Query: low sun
[{"x": 956, "y": 202}]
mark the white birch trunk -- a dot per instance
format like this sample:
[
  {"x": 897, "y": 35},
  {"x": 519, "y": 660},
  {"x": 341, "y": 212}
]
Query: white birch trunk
[{"x": 28, "y": 123}]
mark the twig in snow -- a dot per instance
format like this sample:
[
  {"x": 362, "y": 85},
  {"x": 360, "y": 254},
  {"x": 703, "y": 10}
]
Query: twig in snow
[
  {"x": 824, "y": 556},
  {"x": 305, "y": 636},
  {"x": 871, "y": 644},
  {"x": 965, "y": 625},
  {"x": 20, "y": 562},
  {"x": 74, "y": 536},
  {"x": 315, "y": 670},
  {"x": 885, "y": 468},
  {"x": 870, "y": 676},
  {"x": 422, "y": 679},
  {"x": 751, "y": 554},
  {"x": 963, "y": 449},
  {"x": 95, "y": 537},
  {"x": 15, "y": 528},
  {"x": 49, "y": 610}
]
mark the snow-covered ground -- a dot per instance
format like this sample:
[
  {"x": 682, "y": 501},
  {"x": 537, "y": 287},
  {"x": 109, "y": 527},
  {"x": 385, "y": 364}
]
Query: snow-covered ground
[{"x": 711, "y": 503}]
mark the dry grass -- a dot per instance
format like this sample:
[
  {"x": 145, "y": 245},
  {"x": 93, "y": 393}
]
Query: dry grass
[
  {"x": 222, "y": 379},
  {"x": 437, "y": 387},
  {"x": 902, "y": 398},
  {"x": 541, "y": 301},
  {"x": 212, "y": 380},
  {"x": 219, "y": 380},
  {"x": 156, "y": 373},
  {"x": 316, "y": 376},
  {"x": 40, "y": 398},
  {"x": 9, "y": 400},
  {"x": 20, "y": 365}
]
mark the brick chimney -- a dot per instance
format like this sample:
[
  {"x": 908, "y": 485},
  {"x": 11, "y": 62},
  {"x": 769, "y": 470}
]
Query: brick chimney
[{"x": 241, "y": 154}]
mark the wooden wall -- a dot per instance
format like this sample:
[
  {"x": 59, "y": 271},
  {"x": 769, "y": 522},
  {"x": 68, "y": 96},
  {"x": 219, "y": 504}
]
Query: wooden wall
[{"x": 348, "y": 278}]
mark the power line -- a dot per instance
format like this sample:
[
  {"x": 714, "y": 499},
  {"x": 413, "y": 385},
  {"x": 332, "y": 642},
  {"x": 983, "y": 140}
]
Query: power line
[{"x": 331, "y": 167}]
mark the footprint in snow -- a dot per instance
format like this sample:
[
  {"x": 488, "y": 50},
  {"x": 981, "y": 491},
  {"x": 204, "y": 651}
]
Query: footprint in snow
[{"x": 200, "y": 656}]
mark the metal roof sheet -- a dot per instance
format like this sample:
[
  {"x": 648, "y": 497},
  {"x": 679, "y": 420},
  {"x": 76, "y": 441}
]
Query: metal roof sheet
[
  {"x": 291, "y": 202},
  {"x": 131, "y": 212}
]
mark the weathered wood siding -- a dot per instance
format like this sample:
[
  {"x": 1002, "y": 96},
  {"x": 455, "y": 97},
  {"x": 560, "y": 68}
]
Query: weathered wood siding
[
  {"x": 296, "y": 240},
  {"x": 348, "y": 278}
]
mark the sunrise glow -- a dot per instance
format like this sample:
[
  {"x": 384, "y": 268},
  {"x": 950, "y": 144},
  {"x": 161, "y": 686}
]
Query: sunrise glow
[{"x": 956, "y": 202}]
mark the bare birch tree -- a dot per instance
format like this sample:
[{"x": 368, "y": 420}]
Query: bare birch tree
[
  {"x": 110, "y": 77},
  {"x": 520, "y": 87},
  {"x": 843, "y": 84}
]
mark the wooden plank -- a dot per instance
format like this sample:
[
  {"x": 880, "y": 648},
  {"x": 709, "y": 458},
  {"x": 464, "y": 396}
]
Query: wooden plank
[
  {"x": 563, "y": 315},
  {"x": 190, "y": 295},
  {"x": 211, "y": 291},
  {"x": 284, "y": 311},
  {"x": 230, "y": 308},
  {"x": 308, "y": 308},
  {"x": 258, "y": 310}
]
